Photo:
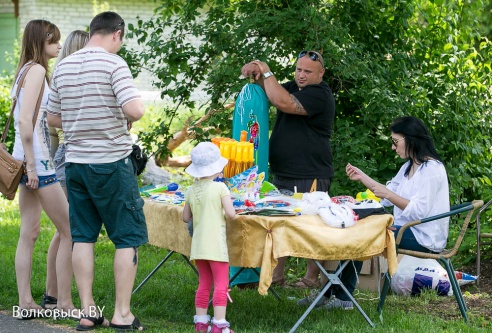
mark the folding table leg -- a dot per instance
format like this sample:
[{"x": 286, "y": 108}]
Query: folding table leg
[
  {"x": 159, "y": 266},
  {"x": 153, "y": 271},
  {"x": 331, "y": 278},
  {"x": 236, "y": 275},
  {"x": 191, "y": 265},
  {"x": 357, "y": 305}
]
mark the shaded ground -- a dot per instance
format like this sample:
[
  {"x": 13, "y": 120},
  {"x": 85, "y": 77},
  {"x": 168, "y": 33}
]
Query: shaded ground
[
  {"x": 8, "y": 324},
  {"x": 478, "y": 299}
]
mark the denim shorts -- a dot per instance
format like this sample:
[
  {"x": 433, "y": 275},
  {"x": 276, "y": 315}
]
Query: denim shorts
[
  {"x": 43, "y": 181},
  {"x": 108, "y": 194},
  {"x": 59, "y": 162}
]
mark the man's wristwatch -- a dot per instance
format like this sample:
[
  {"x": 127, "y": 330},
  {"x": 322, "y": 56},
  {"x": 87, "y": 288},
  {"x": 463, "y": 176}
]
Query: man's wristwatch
[{"x": 267, "y": 75}]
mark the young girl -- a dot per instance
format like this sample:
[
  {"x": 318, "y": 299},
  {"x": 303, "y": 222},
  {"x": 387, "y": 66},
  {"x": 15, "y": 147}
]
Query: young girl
[
  {"x": 39, "y": 188},
  {"x": 206, "y": 202}
]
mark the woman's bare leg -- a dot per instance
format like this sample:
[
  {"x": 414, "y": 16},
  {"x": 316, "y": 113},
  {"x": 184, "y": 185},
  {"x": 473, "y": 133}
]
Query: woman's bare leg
[
  {"x": 51, "y": 281},
  {"x": 30, "y": 211},
  {"x": 55, "y": 205}
]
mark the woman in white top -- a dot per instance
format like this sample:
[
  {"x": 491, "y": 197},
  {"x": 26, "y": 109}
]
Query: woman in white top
[
  {"x": 419, "y": 190},
  {"x": 39, "y": 188}
]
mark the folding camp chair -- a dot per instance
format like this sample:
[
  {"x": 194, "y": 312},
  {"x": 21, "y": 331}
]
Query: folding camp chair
[
  {"x": 483, "y": 238},
  {"x": 444, "y": 257}
]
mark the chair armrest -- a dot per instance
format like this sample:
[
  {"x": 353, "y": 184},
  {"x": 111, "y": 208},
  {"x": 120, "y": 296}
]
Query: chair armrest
[
  {"x": 484, "y": 207},
  {"x": 464, "y": 207},
  {"x": 458, "y": 206}
]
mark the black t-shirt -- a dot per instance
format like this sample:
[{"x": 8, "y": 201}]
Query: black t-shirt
[{"x": 300, "y": 145}]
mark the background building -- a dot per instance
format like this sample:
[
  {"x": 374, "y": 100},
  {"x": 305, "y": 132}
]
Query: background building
[{"x": 68, "y": 15}]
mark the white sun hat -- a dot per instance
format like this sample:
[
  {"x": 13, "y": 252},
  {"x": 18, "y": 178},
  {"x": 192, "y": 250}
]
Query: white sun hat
[{"x": 206, "y": 160}]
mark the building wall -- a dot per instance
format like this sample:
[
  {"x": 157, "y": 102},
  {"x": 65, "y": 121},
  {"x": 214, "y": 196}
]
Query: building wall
[
  {"x": 70, "y": 15},
  {"x": 6, "y": 7}
]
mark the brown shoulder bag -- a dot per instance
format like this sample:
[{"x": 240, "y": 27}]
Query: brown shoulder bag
[{"x": 11, "y": 170}]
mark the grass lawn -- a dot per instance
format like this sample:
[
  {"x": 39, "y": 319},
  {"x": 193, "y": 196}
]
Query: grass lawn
[{"x": 166, "y": 302}]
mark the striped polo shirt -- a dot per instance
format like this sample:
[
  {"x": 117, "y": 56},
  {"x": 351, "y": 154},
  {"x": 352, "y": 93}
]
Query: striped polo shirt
[{"x": 88, "y": 90}]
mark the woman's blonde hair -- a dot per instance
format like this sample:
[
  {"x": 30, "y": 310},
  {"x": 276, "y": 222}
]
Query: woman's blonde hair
[
  {"x": 36, "y": 34},
  {"x": 74, "y": 42}
]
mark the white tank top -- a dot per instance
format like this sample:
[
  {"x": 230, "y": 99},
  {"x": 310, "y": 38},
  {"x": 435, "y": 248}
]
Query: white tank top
[{"x": 41, "y": 138}]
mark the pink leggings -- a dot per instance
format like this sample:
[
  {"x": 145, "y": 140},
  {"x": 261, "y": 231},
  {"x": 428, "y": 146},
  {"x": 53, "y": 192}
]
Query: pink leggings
[{"x": 210, "y": 273}]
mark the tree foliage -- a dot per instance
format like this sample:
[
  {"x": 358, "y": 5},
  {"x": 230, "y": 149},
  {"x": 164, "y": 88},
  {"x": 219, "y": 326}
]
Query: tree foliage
[
  {"x": 384, "y": 59},
  {"x": 5, "y": 107}
]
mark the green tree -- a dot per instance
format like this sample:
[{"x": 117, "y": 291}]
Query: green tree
[
  {"x": 384, "y": 59},
  {"x": 6, "y": 80},
  {"x": 485, "y": 20}
]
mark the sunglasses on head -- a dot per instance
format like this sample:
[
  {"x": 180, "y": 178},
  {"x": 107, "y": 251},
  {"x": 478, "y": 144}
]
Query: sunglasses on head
[
  {"x": 314, "y": 56},
  {"x": 121, "y": 24}
]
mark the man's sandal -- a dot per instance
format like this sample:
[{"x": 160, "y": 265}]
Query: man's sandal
[
  {"x": 135, "y": 326},
  {"x": 306, "y": 284},
  {"x": 96, "y": 321},
  {"x": 279, "y": 282},
  {"x": 48, "y": 300}
]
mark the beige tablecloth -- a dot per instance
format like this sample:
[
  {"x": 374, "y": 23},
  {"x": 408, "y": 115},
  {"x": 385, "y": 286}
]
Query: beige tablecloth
[{"x": 258, "y": 241}]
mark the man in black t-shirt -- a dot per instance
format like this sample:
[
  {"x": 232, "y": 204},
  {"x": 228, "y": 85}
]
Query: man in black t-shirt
[{"x": 300, "y": 150}]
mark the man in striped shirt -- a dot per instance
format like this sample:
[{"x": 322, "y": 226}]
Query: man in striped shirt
[{"x": 94, "y": 100}]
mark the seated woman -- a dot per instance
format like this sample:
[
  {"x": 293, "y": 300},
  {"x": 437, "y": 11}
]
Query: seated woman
[{"x": 420, "y": 189}]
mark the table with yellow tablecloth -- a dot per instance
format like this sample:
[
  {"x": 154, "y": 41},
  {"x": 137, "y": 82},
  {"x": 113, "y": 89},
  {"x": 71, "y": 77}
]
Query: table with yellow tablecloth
[{"x": 258, "y": 241}]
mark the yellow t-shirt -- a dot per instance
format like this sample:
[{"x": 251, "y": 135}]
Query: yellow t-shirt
[{"x": 209, "y": 225}]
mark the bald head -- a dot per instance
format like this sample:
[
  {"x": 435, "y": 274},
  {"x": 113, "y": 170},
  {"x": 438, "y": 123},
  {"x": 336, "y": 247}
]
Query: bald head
[{"x": 309, "y": 69}]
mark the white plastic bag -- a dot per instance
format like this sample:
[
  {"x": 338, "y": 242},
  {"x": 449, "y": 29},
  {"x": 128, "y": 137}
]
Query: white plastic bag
[
  {"x": 415, "y": 274},
  {"x": 337, "y": 216},
  {"x": 313, "y": 201}
]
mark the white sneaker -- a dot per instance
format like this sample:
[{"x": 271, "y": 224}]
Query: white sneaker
[{"x": 306, "y": 301}]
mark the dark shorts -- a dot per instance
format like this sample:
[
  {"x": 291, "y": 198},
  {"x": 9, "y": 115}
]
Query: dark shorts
[
  {"x": 303, "y": 184},
  {"x": 43, "y": 181},
  {"x": 106, "y": 194}
]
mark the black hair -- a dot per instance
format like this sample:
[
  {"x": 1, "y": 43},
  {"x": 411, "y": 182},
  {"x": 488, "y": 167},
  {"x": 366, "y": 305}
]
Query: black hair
[
  {"x": 106, "y": 23},
  {"x": 419, "y": 146}
]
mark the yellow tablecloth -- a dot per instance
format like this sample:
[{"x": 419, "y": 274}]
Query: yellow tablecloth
[{"x": 258, "y": 241}]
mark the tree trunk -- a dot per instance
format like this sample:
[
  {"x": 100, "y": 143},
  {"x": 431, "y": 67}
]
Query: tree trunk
[{"x": 184, "y": 135}]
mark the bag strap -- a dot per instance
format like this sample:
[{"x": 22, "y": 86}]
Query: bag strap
[{"x": 14, "y": 103}]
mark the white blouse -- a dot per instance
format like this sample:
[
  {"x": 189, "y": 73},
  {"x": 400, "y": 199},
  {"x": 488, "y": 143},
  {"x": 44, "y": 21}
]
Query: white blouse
[{"x": 428, "y": 193}]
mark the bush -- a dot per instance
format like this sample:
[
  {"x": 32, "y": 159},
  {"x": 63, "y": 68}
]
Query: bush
[{"x": 5, "y": 104}]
